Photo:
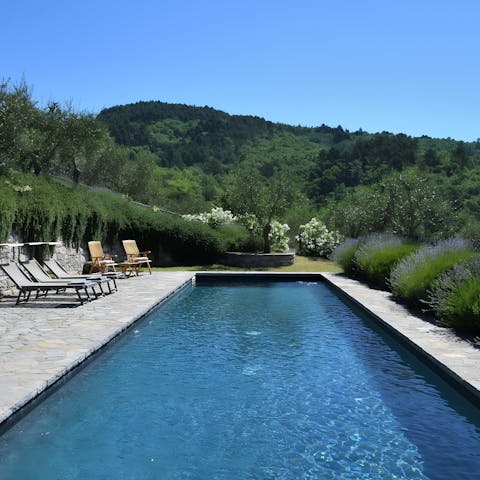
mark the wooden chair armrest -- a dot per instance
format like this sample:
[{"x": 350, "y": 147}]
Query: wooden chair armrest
[{"x": 146, "y": 252}]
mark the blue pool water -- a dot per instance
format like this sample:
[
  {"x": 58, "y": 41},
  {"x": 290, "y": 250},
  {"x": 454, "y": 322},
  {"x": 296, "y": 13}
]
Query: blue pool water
[{"x": 262, "y": 381}]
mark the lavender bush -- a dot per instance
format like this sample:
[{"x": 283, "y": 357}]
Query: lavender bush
[
  {"x": 344, "y": 255},
  {"x": 378, "y": 254},
  {"x": 455, "y": 296},
  {"x": 415, "y": 274}
]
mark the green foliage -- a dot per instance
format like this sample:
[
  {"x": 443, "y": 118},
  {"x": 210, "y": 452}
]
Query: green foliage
[
  {"x": 8, "y": 198},
  {"x": 375, "y": 260},
  {"x": 251, "y": 194},
  {"x": 48, "y": 210},
  {"x": 406, "y": 203},
  {"x": 414, "y": 209},
  {"x": 237, "y": 238},
  {"x": 455, "y": 296},
  {"x": 344, "y": 255},
  {"x": 415, "y": 275},
  {"x": 360, "y": 212}
]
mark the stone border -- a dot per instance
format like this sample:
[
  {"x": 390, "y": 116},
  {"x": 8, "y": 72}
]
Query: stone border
[
  {"x": 451, "y": 357},
  {"x": 96, "y": 324}
]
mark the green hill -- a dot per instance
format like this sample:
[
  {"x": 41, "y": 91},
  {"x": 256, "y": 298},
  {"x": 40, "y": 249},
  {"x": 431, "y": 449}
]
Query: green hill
[{"x": 326, "y": 159}]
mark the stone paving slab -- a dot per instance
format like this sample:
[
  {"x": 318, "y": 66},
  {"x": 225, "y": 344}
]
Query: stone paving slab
[
  {"x": 457, "y": 358},
  {"x": 41, "y": 341}
]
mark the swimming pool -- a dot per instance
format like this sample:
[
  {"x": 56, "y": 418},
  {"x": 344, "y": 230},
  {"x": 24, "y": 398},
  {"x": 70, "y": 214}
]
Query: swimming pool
[{"x": 275, "y": 380}]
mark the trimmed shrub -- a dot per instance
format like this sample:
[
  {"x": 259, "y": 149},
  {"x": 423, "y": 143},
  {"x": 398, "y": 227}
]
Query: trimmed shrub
[
  {"x": 415, "y": 274},
  {"x": 378, "y": 255},
  {"x": 185, "y": 242},
  {"x": 455, "y": 296},
  {"x": 344, "y": 255}
]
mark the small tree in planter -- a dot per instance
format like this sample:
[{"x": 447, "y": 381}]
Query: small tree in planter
[{"x": 250, "y": 194}]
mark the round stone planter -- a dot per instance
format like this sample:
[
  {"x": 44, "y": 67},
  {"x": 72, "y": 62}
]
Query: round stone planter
[{"x": 258, "y": 260}]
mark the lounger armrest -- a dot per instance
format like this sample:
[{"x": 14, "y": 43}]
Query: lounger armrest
[{"x": 146, "y": 252}]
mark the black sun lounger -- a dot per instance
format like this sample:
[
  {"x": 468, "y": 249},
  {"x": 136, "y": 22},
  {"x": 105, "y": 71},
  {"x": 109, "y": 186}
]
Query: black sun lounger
[
  {"x": 60, "y": 272},
  {"x": 38, "y": 274},
  {"x": 26, "y": 286}
]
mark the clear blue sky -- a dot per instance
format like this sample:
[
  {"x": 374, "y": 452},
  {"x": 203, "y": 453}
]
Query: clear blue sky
[{"x": 402, "y": 66}]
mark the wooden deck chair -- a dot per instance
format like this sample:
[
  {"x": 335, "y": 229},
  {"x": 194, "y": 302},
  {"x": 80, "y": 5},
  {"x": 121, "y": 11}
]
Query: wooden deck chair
[
  {"x": 100, "y": 261},
  {"x": 135, "y": 257},
  {"x": 26, "y": 286}
]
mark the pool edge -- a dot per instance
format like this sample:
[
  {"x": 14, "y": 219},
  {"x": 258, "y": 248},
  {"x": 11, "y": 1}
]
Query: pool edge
[
  {"x": 455, "y": 378},
  {"x": 450, "y": 374},
  {"x": 26, "y": 404}
]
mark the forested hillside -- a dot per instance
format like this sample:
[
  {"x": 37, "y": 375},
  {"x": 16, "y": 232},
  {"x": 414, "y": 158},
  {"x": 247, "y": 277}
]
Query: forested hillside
[
  {"x": 188, "y": 159},
  {"x": 336, "y": 171}
]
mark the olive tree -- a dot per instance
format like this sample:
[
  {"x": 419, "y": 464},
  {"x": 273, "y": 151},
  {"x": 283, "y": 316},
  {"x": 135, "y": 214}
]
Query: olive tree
[{"x": 249, "y": 193}]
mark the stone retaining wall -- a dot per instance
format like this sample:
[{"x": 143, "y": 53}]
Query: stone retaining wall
[{"x": 258, "y": 260}]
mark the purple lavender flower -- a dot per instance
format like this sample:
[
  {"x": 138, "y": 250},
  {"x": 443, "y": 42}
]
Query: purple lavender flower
[{"x": 411, "y": 278}]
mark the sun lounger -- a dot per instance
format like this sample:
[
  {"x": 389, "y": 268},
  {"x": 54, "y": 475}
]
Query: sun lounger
[
  {"x": 136, "y": 258},
  {"x": 27, "y": 286},
  {"x": 60, "y": 273},
  {"x": 37, "y": 273}
]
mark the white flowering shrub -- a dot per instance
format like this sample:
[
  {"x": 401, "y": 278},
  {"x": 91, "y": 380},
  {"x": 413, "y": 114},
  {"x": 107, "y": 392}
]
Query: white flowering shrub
[
  {"x": 215, "y": 218},
  {"x": 278, "y": 236},
  {"x": 22, "y": 188},
  {"x": 315, "y": 240}
]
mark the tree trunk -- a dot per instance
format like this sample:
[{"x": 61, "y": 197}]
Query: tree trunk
[
  {"x": 76, "y": 175},
  {"x": 266, "y": 238}
]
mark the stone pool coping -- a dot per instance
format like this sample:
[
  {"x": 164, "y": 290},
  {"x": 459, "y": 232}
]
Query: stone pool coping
[
  {"x": 40, "y": 343},
  {"x": 454, "y": 358}
]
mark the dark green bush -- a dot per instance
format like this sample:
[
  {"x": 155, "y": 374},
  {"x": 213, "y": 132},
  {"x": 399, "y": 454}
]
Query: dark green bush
[
  {"x": 184, "y": 242},
  {"x": 237, "y": 238}
]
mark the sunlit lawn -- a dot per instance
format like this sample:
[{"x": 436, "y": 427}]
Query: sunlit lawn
[{"x": 302, "y": 264}]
